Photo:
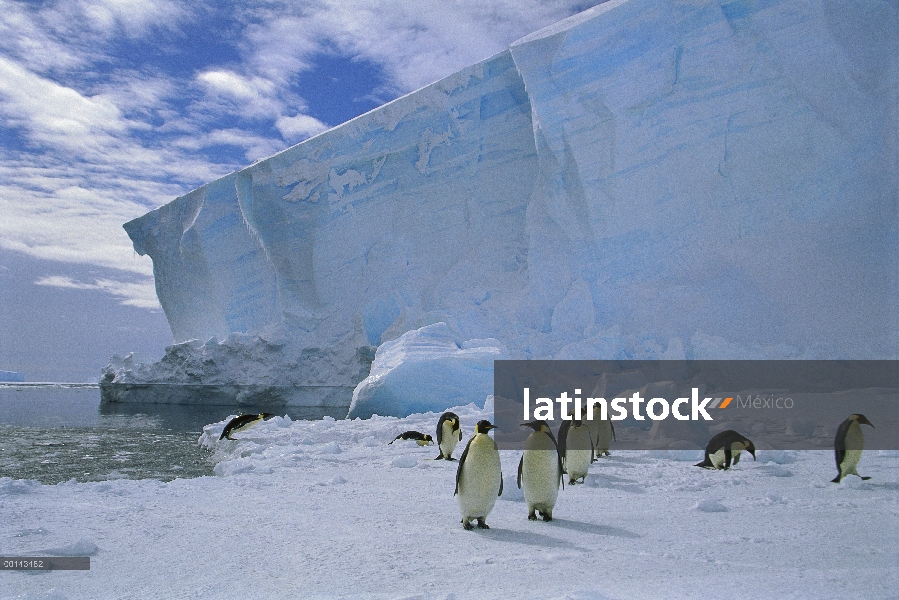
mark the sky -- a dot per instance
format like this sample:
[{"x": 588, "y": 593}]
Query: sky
[{"x": 111, "y": 108}]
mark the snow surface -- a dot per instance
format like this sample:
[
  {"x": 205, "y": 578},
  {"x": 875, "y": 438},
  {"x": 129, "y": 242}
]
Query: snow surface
[
  {"x": 648, "y": 179},
  {"x": 326, "y": 509}
]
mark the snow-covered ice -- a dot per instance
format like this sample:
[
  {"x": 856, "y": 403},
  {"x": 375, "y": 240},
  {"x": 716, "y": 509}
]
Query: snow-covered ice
[
  {"x": 648, "y": 179},
  {"x": 326, "y": 509},
  {"x": 426, "y": 370}
]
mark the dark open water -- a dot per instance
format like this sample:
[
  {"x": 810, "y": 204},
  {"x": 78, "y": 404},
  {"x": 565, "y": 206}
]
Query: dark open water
[{"x": 54, "y": 433}]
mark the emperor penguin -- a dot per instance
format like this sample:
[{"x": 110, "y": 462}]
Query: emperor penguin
[
  {"x": 242, "y": 423},
  {"x": 422, "y": 439},
  {"x": 449, "y": 433},
  {"x": 602, "y": 431},
  {"x": 479, "y": 477},
  {"x": 576, "y": 449},
  {"x": 540, "y": 471},
  {"x": 848, "y": 445},
  {"x": 724, "y": 449}
]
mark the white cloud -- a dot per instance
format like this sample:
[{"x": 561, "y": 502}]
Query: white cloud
[
  {"x": 140, "y": 294},
  {"x": 234, "y": 85},
  {"x": 51, "y": 111},
  {"x": 135, "y": 17},
  {"x": 299, "y": 127}
]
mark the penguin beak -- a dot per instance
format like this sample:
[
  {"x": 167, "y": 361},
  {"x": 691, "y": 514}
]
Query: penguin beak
[{"x": 535, "y": 425}]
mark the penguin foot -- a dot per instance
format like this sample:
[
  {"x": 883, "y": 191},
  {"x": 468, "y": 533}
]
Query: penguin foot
[
  {"x": 482, "y": 524},
  {"x": 450, "y": 458},
  {"x": 467, "y": 525},
  {"x": 547, "y": 517},
  {"x": 532, "y": 516},
  {"x": 865, "y": 478}
]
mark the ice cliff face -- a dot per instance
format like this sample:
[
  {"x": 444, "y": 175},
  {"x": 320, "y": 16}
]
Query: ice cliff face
[{"x": 648, "y": 179}]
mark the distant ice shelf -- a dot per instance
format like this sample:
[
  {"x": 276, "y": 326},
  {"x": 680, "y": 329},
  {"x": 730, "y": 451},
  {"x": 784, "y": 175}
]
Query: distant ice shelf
[
  {"x": 11, "y": 376},
  {"x": 648, "y": 179}
]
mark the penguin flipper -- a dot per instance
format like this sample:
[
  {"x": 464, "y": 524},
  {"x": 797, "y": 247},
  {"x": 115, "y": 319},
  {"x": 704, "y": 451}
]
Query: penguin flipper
[
  {"x": 563, "y": 437},
  {"x": 439, "y": 456},
  {"x": 520, "y": 466},
  {"x": 462, "y": 464},
  {"x": 614, "y": 439},
  {"x": 501, "y": 483},
  {"x": 837, "y": 478},
  {"x": 839, "y": 444},
  {"x": 558, "y": 458},
  {"x": 440, "y": 428}
]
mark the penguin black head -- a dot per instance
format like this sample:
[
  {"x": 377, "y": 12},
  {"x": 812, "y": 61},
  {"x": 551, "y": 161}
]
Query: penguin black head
[
  {"x": 452, "y": 417},
  {"x": 750, "y": 448},
  {"x": 484, "y": 426},
  {"x": 861, "y": 419},
  {"x": 538, "y": 425}
]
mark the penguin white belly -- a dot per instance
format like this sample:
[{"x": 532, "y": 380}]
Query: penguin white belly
[
  {"x": 448, "y": 440},
  {"x": 855, "y": 443},
  {"x": 480, "y": 478},
  {"x": 718, "y": 459},
  {"x": 578, "y": 452},
  {"x": 540, "y": 479},
  {"x": 603, "y": 438}
]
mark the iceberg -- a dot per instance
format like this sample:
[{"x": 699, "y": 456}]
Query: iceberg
[
  {"x": 647, "y": 179},
  {"x": 425, "y": 370}
]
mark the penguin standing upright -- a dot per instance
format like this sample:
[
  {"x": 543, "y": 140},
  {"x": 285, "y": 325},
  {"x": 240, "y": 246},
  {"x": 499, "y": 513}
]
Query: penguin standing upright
[
  {"x": 848, "y": 445},
  {"x": 724, "y": 449},
  {"x": 576, "y": 449},
  {"x": 242, "y": 423},
  {"x": 449, "y": 433},
  {"x": 540, "y": 471},
  {"x": 602, "y": 431},
  {"x": 479, "y": 477}
]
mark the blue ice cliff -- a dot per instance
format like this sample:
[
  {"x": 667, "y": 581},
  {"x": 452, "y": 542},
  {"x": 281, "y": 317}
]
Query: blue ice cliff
[{"x": 647, "y": 179}]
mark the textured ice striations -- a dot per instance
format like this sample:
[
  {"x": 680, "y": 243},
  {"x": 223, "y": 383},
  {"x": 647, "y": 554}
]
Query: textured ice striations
[{"x": 647, "y": 179}]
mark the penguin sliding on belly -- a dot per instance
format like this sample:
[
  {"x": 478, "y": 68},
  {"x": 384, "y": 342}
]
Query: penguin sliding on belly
[
  {"x": 449, "y": 433},
  {"x": 576, "y": 449},
  {"x": 848, "y": 445},
  {"x": 479, "y": 477},
  {"x": 422, "y": 439},
  {"x": 724, "y": 449},
  {"x": 540, "y": 471},
  {"x": 242, "y": 423}
]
